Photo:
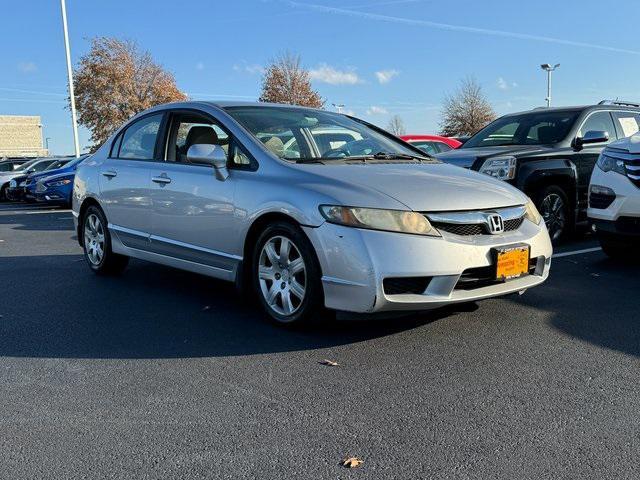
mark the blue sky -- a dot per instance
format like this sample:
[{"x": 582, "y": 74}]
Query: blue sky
[{"x": 378, "y": 57}]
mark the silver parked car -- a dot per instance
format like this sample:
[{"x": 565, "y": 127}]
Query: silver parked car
[{"x": 306, "y": 209}]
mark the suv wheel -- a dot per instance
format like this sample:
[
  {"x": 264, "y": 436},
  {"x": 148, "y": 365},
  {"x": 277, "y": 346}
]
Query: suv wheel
[
  {"x": 286, "y": 275},
  {"x": 554, "y": 207},
  {"x": 617, "y": 248},
  {"x": 96, "y": 242}
]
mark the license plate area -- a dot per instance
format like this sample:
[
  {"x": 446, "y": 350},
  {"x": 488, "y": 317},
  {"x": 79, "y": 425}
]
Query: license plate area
[{"x": 511, "y": 261}]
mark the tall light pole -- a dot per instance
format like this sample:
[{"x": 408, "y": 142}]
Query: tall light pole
[
  {"x": 338, "y": 106},
  {"x": 548, "y": 68},
  {"x": 74, "y": 120}
]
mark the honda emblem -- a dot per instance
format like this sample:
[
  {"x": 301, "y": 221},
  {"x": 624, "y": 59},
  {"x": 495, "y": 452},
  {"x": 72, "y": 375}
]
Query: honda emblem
[{"x": 496, "y": 224}]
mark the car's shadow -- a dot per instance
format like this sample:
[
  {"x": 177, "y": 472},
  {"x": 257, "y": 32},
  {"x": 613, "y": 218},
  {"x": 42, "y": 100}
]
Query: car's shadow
[
  {"x": 55, "y": 307},
  {"x": 595, "y": 301}
]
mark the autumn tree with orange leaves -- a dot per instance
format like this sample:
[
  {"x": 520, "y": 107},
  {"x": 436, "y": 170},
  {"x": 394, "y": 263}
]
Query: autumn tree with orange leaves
[
  {"x": 286, "y": 81},
  {"x": 115, "y": 81}
]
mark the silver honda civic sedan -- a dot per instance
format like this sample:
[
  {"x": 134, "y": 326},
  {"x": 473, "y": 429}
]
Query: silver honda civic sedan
[{"x": 305, "y": 210}]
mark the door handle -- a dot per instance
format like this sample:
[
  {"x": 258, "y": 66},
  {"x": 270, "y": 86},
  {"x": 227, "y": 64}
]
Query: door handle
[
  {"x": 110, "y": 174},
  {"x": 162, "y": 179}
]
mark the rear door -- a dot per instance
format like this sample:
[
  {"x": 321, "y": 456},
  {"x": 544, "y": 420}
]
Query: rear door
[{"x": 125, "y": 184}]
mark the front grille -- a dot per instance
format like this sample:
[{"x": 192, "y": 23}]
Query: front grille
[
  {"x": 404, "y": 285},
  {"x": 479, "y": 277},
  {"x": 468, "y": 229},
  {"x": 600, "y": 201}
]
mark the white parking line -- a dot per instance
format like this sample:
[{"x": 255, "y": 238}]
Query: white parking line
[{"x": 576, "y": 252}]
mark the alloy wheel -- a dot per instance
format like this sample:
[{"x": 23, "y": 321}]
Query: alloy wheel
[
  {"x": 282, "y": 275},
  {"x": 553, "y": 212},
  {"x": 94, "y": 239}
]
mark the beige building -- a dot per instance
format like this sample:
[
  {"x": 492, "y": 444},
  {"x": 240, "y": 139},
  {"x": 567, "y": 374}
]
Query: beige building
[{"x": 21, "y": 136}]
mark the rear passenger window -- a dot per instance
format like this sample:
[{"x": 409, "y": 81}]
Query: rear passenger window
[
  {"x": 628, "y": 123},
  {"x": 139, "y": 140}
]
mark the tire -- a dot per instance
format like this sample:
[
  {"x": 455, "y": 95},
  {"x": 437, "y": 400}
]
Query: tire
[
  {"x": 618, "y": 248},
  {"x": 3, "y": 194},
  {"x": 287, "y": 285},
  {"x": 96, "y": 243},
  {"x": 553, "y": 204}
]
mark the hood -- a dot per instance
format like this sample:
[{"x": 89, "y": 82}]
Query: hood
[
  {"x": 421, "y": 187},
  {"x": 630, "y": 144},
  {"x": 49, "y": 173},
  {"x": 59, "y": 175},
  {"x": 466, "y": 157}
]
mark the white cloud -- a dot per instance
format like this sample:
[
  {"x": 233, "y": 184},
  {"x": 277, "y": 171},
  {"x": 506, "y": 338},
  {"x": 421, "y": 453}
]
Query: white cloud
[
  {"x": 504, "y": 85},
  {"x": 327, "y": 74},
  {"x": 27, "y": 67},
  {"x": 252, "y": 69},
  {"x": 374, "y": 110},
  {"x": 200, "y": 66},
  {"x": 385, "y": 76}
]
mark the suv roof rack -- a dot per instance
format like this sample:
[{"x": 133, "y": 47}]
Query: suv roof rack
[{"x": 622, "y": 103}]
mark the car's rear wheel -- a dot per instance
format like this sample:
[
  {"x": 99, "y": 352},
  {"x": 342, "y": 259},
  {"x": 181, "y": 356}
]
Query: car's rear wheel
[
  {"x": 96, "y": 241},
  {"x": 286, "y": 275},
  {"x": 3, "y": 193},
  {"x": 553, "y": 205}
]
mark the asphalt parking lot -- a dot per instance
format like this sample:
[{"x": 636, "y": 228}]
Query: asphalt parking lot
[{"x": 165, "y": 374}]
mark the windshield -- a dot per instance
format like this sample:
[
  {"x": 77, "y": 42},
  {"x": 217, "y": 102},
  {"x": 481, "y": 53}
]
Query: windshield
[
  {"x": 299, "y": 134},
  {"x": 25, "y": 166},
  {"x": 57, "y": 164},
  {"x": 532, "y": 128}
]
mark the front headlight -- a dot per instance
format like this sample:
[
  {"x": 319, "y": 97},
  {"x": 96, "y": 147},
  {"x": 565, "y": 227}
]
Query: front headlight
[
  {"x": 502, "y": 168},
  {"x": 609, "y": 164},
  {"x": 532, "y": 213},
  {"x": 13, "y": 184},
  {"x": 59, "y": 183},
  {"x": 377, "y": 219}
]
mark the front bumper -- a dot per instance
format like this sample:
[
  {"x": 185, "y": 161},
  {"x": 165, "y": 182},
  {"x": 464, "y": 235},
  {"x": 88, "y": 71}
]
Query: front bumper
[
  {"x": 55, "y": 195},
  {"x": 15, "y": 194},
  {"x": 355, "y": 263},
  {"x": 627, "y": 199}
]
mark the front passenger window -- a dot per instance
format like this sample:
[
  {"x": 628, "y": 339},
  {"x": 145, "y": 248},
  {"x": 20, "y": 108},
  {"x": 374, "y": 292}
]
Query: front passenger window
[
  {"x": 600, "y": 122},
  {"x": 139, "y": 141}
]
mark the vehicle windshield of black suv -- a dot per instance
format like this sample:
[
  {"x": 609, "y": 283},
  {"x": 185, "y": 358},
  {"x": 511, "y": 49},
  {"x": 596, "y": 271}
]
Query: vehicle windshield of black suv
[
  {"x": 299, "y": 134},
  {"x": 532, "y": 128}
]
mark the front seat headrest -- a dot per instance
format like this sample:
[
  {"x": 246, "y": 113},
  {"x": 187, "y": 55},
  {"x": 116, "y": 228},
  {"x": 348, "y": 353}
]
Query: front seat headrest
[
  {"x": 275, "y": 146},
  {"x": 201, "y": 135}
]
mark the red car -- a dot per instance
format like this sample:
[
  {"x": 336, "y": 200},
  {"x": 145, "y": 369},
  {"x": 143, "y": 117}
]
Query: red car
[{"x": 432, "y": 144}]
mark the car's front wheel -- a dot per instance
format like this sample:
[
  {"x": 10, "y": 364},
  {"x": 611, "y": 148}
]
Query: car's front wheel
[
  {"x": 286, "y": 275},
  {"x": 553, "y": 205},
  {"x": 96, "y": 242}
]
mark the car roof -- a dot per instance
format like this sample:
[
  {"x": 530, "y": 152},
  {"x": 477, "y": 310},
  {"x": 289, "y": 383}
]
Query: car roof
[{"x": 574, "y": 109}]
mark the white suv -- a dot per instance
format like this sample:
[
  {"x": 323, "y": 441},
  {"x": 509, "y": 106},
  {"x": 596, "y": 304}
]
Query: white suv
[{"x": 614, "y": 197}]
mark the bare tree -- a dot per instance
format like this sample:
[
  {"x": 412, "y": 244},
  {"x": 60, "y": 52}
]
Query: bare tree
[
  {"x": 396, "y": 126},
  {"x": 286, "y": 81},
  {"x": 466, "y": 111},
  {"x": 116, "y": 80}
]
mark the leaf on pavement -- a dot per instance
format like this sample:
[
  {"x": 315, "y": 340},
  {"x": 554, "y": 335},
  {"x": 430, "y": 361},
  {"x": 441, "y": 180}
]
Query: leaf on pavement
[
  {"x": 329, "y": 363},
  {"x": 352, "y": 462},
  {"x": 207, "y": 307}
]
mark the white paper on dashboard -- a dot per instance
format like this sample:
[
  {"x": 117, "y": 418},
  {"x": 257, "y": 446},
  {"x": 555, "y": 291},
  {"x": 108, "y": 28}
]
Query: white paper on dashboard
[{"x": 629, "y": 125}]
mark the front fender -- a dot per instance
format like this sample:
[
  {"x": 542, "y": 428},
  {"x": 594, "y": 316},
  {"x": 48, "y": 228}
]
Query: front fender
[{"x": 532, "y": 174}]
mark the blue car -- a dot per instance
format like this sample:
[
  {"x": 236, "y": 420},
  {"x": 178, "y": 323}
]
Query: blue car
[
  {"x": 55, "y": 189},
  {"x": 31, "y": 183}
]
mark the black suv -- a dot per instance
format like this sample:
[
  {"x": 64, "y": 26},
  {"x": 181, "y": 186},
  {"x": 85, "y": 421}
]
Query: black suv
[{"x": 549, "y": 154}]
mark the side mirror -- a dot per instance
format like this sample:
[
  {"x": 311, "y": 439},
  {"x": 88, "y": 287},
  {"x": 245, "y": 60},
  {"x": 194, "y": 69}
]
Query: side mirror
[
  {"x": 592, "y": 136},
  {"x": 207, "y": 154}
]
